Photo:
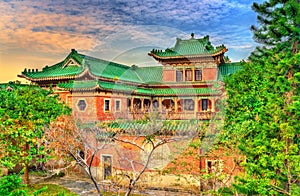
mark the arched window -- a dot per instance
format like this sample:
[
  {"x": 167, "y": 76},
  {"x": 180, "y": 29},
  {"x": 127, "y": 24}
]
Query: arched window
[{"x": 189, "y": 104}]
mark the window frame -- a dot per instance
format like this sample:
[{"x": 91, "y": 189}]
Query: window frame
[
  {"x": 185, "y": 101},
  {"x": 202, "y": 104},
  {"x": 79, "y": 106},
  {"x": 196, "y": 75},
  {"x": 103, "y": 156},
  {"x": 120, "y": 107},
  {"x": 179, "y": 78},
  {"x": 109, "y": 105}
]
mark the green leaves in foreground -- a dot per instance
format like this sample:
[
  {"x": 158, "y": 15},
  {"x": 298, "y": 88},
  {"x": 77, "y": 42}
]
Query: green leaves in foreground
[{"x": 24, "y": 112}]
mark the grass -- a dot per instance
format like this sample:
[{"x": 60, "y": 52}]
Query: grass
[{"x": 49, "y": 190}]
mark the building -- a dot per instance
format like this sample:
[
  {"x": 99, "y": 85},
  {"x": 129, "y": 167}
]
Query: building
[{"x": 185, "y": 86}]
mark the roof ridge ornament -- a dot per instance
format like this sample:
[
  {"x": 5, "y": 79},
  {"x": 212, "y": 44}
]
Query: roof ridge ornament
[{"x": 192, "y": 35}]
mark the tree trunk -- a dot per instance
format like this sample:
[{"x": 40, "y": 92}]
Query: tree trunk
[
  {"x": 26, "y": 171},
  {"x": 129, "y": 190}
]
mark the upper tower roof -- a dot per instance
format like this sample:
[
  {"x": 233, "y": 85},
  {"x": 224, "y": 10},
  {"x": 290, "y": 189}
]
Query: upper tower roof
[{"x": 189, "y": 48}]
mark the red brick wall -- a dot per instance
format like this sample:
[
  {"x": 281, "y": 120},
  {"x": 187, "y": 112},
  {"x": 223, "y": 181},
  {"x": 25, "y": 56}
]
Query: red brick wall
[
  {"x": 169, "y": 76},
  {"x": 87, "y": 115},
  {"x": 209, "y": 73},
  {"x": 112, "y": 114}
]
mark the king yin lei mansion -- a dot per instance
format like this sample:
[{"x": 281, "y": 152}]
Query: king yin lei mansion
[{"x": 184, "y": 86}]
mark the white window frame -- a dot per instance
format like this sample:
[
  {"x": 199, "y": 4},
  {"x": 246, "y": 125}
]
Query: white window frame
[
  {"x": 102, "y": 164},
  {"x": 120, "y": 105}
]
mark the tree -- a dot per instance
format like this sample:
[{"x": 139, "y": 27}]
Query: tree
[
  {"x": 24, "y": 111},
  {"x": 263, "y": 113},
  {"x": 73, "y": 144},
  {"x": 279, "y": 27},
  {"x": 138, "y": 148}
]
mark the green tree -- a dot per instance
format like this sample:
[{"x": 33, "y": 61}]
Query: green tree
[
  {"x": 24, "y": 112},
  {"x": 263, "y": 106}
]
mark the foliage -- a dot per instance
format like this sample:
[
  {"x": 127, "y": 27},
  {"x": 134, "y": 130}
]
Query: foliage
[
  {"x": 48, "y": 190},
  {"x": 263, "y": 110},
  {"x": 12, "y": 186},
  {"x": 24, "y": 112},
  {"x": 279, "y": 27}
]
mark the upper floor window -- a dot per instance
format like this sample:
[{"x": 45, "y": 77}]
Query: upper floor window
[
  {"x": 198, "y": 75},
  {"x": 106, "y": 105},
  {"x": 188, "y": 75},
  {"x": 179, "y": 75},
  {"x": 118, "y": 105}
]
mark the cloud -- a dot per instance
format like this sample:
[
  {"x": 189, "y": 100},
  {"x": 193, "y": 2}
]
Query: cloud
[{"x": 109, "y": 28}]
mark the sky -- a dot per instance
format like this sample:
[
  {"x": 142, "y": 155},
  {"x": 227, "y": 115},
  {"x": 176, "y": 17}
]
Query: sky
[{"x": 37, "y": 33}]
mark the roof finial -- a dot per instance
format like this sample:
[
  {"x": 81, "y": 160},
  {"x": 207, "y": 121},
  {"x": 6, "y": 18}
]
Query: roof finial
[{"x": 192, "y": 34}]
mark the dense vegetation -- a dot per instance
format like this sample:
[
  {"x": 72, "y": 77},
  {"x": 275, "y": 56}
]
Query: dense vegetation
[
  {"x": 263, "y": 106},
  {"x": 25, "y": 111}
]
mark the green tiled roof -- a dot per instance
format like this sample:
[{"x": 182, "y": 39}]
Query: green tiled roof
[
  {"x": 184, "y": 91},
  {"x": 93, "y": 84},
  {"x": 97, "y": 67},
  {"x": 116, "y": 86},
  {"x": 189, "y": 47},
  {"x": 225, "y": 69},
  {"x": 55, "y": 71},
  {"x": 85, "y": 84},
  {"x": 150, "y": 74},
  {"x": 111, "y": 70}
]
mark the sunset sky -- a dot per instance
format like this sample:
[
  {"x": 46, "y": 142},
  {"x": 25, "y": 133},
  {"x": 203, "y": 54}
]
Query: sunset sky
[{"x": 37, "y": 33}]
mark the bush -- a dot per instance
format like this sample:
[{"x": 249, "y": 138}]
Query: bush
[{"x": 12, "y": 186}]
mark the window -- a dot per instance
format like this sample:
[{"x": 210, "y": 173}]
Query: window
[
  {"x": 81, "y": 105},
  {"x": 214, "y": 166},
  {"x": 188, "y": 104},
  {"x": 107, "y": 166},
  {"x": 188, "y": 75},
  {"x": 118, "y": 105},
  {"x": 198, "y": 75},
  {"x": 106, "y": 105},
  {"x": 204, "y": 104},
  {"x": 155, "y": 104},
  {"x": 179, "y": 75}
]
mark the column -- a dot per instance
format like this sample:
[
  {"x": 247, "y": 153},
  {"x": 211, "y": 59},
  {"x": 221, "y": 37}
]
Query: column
[
  {"x": 131, "y": 104},
  {"x": 142, "y": 104},
  {"x": 193, "y": 74},
  {"x": 175, "y": 105},
  {"x": 159, "y": 105},
  {"x": 195, "y": 107},
  {"x": 213, "y": 105}
]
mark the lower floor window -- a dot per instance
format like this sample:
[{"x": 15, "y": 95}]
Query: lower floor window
[
  {"x": 188, "y": 104},
  {"x": 81, "y": 105},
  {"x": 215, "y": 166},
  {"x": 107, "y": 166},
  {"x": 204, "y": 104}
]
